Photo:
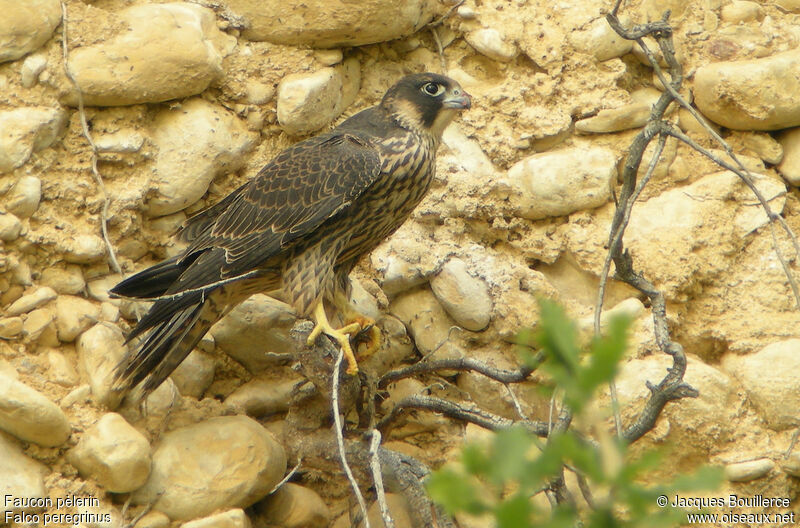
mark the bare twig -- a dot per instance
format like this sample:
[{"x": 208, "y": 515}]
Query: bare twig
[
  {"x": 377, "y": 477},
  {"x": 460, "y": 364},
  {"x": 337, "y": 420},
  {"x": 287, "y": 478},
  {"x": 112, "y": 255}
]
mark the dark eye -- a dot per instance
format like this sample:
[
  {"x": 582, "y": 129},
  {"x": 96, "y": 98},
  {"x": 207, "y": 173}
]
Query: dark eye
[{"x": 432, "y": 88}]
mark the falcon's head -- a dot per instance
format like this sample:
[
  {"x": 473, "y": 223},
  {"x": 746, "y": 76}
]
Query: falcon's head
[{"x": 426, "y": 102}]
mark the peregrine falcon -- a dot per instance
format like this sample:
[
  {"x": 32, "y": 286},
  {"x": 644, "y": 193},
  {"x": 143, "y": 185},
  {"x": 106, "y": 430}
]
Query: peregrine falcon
[{"x": 295, "y": 230}]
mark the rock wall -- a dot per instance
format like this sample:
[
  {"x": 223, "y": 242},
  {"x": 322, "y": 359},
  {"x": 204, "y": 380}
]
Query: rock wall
[{"x": 185, "y": 101}]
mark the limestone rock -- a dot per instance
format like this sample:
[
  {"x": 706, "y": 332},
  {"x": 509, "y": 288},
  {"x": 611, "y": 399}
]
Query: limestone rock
[
  {"x": 83, "y": 249},
  {"x": 10, "y": 327},
  {"x": 328, "y": 24},
  {"x": 399, "y": 275},
  {"x": 294, "y": 506},
  {"x": 29, "y": 415},
  {"x": 32, "y": 67},
  {"x": 39, "y": 323},
  {"x": 168, "y": 51},
  {"x": 224, "y": 462},
  {"x": 492, "y": 43},
  {"x": 10, "y": 227},
  {"x": 235, "y": 518},
  {"x": 27, "y": 130},
  {"x": 25, "y": 26},
  {"x": 774, "y": 396},
  {"x": 254, "y": 329},
  {"x": 121, "y": 141},
  {"x": 750, "y": 470},
  {"x": 73, "y": 316},
  {"x": 260, "y": 397},
  {"x": 67, "y": 280},
  {"x": 741, "y": 11},
  {"x": 632, "y": 115},
  {"x": 427, "y": 323},
  {"x": 194, "y": 375},
  {"x": 100, "y": 349},
  {"x": 23, "y": 198},
  {"x": 308, "y": 102},
  {"x": 98, "y": 288},
  {"x": 61, "y": 370},
  {"x": 112, "y": 453},
  {"x": 560, "y": 182},
  {"x": 763, "y": 145},
  {"x": 28, "y": 302},
  {"x": 790, "y": 164},
  {"x": 22, "y": 476},
  {"x": 732, "y": 94},
  {"x": 600, "y": 40},
  {"x": 791, "y": 464},
  {"x": 196, "y": 142},
  {"x": 398, "y": 509},
  {"x": 153, "y": 519},
  {"x": 465, "y": 298}
]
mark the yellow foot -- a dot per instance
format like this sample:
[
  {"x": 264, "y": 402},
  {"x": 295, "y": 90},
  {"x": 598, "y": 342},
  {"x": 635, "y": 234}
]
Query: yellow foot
[
  {"x": 341, "y": 336},
  {"x": 368, "y": 335}
]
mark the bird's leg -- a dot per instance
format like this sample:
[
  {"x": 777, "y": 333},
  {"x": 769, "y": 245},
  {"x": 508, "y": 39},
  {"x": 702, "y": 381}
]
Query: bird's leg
[
  {"x": 368, "y": 334},
  {"x": 341, "y": 336}
]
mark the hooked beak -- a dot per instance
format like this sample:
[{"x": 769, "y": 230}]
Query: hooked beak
[{"x": 462, "y": 101}]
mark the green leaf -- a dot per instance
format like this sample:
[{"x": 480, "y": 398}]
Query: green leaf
[
  {"x": 454, "y": 492},
  {"x": 509, "y": 450},
  {"x": 514, "y": 512}
]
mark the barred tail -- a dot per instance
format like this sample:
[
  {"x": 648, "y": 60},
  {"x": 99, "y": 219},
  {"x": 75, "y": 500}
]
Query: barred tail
[{"x": 174, "y": 332}]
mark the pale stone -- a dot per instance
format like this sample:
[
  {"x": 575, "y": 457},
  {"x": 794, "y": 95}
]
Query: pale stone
[
  {"x": 153, "y": 519},
  {"x": 600, "y": 40},
  {"x": 790, "y": 164},
  {"x": 560, "y": 182},
  {"x": 196, "y": 142},
  {"x": 26, "y": 130},
  {"x": 427, "y": 323},
  {"x": 741, "y": 11},
  {"x": 294, "y": 506},
  {"x": 32, "y": 67},
  {"x": 258, "y": 93},
  {"x": 329, "y": 57},
  {"x": 689, "y": 124},
  {"x": 255, "y": 329},
  {"x": 732, "y": 94},
  {"x": 67, "y": 280},
  {"x": 398, "y": 509},
  {"x": 632, "y": 115},
  {"x": 331, "y": 23},
  {"x": 83, "y": 249},
  {"x": 25, "y": 26},
  {"x": 763, "y": 145},
  {"x": 121, "y": 141},
  {"x": 113, "y": 454},
  {"x": 100, "y": 349},
  {"x": 23, "y": 198},
  {"x": 750, "y": 470},
  {"x": 774, "y": 396},
  {"x": 30, "y": 416},
  {"x": 26, "y": 303},
  {"x": 260, "y": 397},
  {"x": 791, "y": 464},
  {"x": 23, "y": 477},
  {"x": 224, "y": 462},
  {"x": 792, "y": 6},
  {"x": 194, "y": 375},
  {"x": 235, "y": 518},
  {"x": 10, "y": 327},
  {"x": 465, "y": 298},
  {"x": 98, "y": 288},
  {"x": 109, "y": 312},
  {"x": 10, "y": 227},
  {"x": 308, "y": 102},
  {"x": 61, "y": 370},
  {"x": 37, "y": 322},
  {"x": 398, "y": 274},
  {"x": 73, "y": 316},
  {"x": 80, "y": 394},
  {"x": 492, "y": 43},
  {"x": 168, "y": 51}
]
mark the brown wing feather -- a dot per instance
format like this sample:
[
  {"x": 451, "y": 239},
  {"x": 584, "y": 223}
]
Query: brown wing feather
[{"x": 289, "y": 198}]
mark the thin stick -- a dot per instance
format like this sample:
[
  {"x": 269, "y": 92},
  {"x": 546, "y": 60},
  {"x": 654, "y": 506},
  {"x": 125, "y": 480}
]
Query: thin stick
[
  {"x": 286, "y": 479},
  {"x": 337, "y": 420},
  {"x": 112, "y": 256},
  {"x": 377, "y": 478}
]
